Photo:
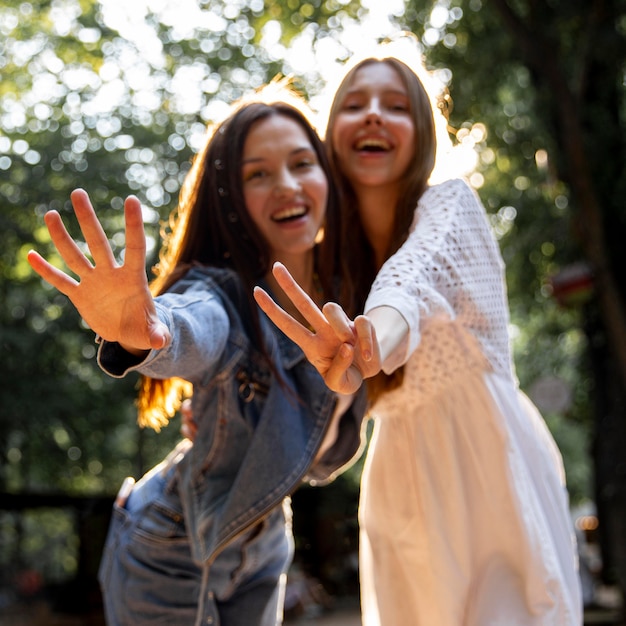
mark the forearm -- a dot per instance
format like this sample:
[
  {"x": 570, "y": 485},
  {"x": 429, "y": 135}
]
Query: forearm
[{"x": 391, "y": 333}]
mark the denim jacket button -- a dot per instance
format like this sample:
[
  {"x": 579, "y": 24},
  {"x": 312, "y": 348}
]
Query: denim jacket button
[{"x": 247, "y": 391}]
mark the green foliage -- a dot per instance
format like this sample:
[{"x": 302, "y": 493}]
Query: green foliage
[
  {"x": 80, "y": 107},
  {"x": 41, "y": 541}
]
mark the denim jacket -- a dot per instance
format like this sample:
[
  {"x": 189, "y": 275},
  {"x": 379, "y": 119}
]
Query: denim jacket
[{"x": 257, "y": 435}]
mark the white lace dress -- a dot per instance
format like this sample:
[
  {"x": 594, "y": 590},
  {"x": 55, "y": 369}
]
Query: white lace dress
[{"x": 464, "y": 511}]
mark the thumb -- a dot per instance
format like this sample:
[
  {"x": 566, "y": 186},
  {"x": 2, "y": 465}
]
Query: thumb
[
  {"x": 159, "y": 335},
  {"x": 342, "y": 376}
]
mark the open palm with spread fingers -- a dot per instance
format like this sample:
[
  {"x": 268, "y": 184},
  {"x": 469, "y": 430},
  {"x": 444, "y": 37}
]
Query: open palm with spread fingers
[
  {"x": 343, "y": 351},
  {"x": 113, "y": 299}
]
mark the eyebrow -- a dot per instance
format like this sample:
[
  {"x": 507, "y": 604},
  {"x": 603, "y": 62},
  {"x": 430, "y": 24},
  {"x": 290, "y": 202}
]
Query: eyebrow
[
  {"x": 295, "y": 152},
  {"x": 386, "y": 92}
]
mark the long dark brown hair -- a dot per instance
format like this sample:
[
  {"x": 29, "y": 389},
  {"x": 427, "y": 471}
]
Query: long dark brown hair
[
  {"x": 212, "y": 227},
  {"x": 353, "y": 256}
]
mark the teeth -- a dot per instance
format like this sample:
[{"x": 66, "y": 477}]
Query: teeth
[
  {"x": 370, "y": 142},
  {"x": 289, "y": 213}
]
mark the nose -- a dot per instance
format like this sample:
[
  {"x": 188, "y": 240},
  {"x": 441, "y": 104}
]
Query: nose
[
  {"x": 286, "y": 183},
  {"x": 373, "y": 112}
]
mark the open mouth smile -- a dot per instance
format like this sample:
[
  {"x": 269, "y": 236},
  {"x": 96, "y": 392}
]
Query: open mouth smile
[
  {"x": 372, "y": 144},
  {"x": 289, "y": 214}
]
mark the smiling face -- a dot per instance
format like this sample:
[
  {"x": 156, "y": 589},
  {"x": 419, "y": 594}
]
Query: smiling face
[
  {"x": 373, "y": 134},
  {"x": 284, "y": 186}
]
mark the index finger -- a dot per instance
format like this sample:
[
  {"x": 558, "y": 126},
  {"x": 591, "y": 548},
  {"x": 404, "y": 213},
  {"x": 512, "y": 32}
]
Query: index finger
[
  {"x": 301, "y": 300},
  {"x": 290, "y": 326}
]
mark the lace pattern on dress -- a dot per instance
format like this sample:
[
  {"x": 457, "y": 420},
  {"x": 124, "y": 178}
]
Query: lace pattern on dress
[{"x": 449, "y": 267}]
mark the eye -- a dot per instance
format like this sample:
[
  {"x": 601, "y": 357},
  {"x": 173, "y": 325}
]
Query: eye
[
  {"x": 304, "y": 159},
  {"x": 352, "y": 104},
  {"x": 254, "y": 175},
  {"x": 401, "y": 105},
  {"x": 305, "y": 163}
]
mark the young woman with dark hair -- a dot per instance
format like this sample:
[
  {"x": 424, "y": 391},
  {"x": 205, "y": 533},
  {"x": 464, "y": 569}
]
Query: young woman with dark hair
[{"x": 205, "y": 537}]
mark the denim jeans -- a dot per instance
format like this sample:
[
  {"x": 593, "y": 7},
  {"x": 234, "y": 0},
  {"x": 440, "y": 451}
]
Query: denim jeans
[{"x": 148, "y": 575}]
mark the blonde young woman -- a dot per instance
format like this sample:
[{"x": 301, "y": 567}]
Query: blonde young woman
[{"x": 464, "y": 511}]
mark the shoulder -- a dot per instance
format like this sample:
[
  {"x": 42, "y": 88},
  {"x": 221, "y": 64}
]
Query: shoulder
[
  {"x": 221, "y": 281},
  {"x": 218, "y": 291},
  {"x": 217, "y": 276},
  {"x": 453, "y": 189},
  {"x": 452, "y": 197},
  {"x": 443, "y": 202}
]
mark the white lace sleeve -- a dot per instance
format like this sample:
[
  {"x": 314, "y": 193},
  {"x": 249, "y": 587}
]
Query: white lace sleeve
[{"x": 449, "y": 266}]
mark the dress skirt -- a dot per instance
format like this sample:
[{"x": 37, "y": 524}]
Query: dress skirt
[{"x": 464, "y": 511}]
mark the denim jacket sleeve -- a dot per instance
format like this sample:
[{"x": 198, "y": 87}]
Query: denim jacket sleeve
[{"x": 199, "y": 328}]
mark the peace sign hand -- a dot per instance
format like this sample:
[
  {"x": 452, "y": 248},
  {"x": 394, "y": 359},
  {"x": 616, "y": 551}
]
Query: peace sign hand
[{"x": 342, "y": 351}]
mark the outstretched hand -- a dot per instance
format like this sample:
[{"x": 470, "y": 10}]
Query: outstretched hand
[
  {"x": 344, "y": 352},
  {"x": 114, "y": 300}
]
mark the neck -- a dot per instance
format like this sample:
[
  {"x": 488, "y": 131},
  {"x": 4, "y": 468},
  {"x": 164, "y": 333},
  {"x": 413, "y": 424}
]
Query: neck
[{"x": 377, "y": 211}]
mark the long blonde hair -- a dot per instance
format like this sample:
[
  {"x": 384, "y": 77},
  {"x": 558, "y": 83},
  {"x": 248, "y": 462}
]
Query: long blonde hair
[{"x": 354, "y": 255}]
